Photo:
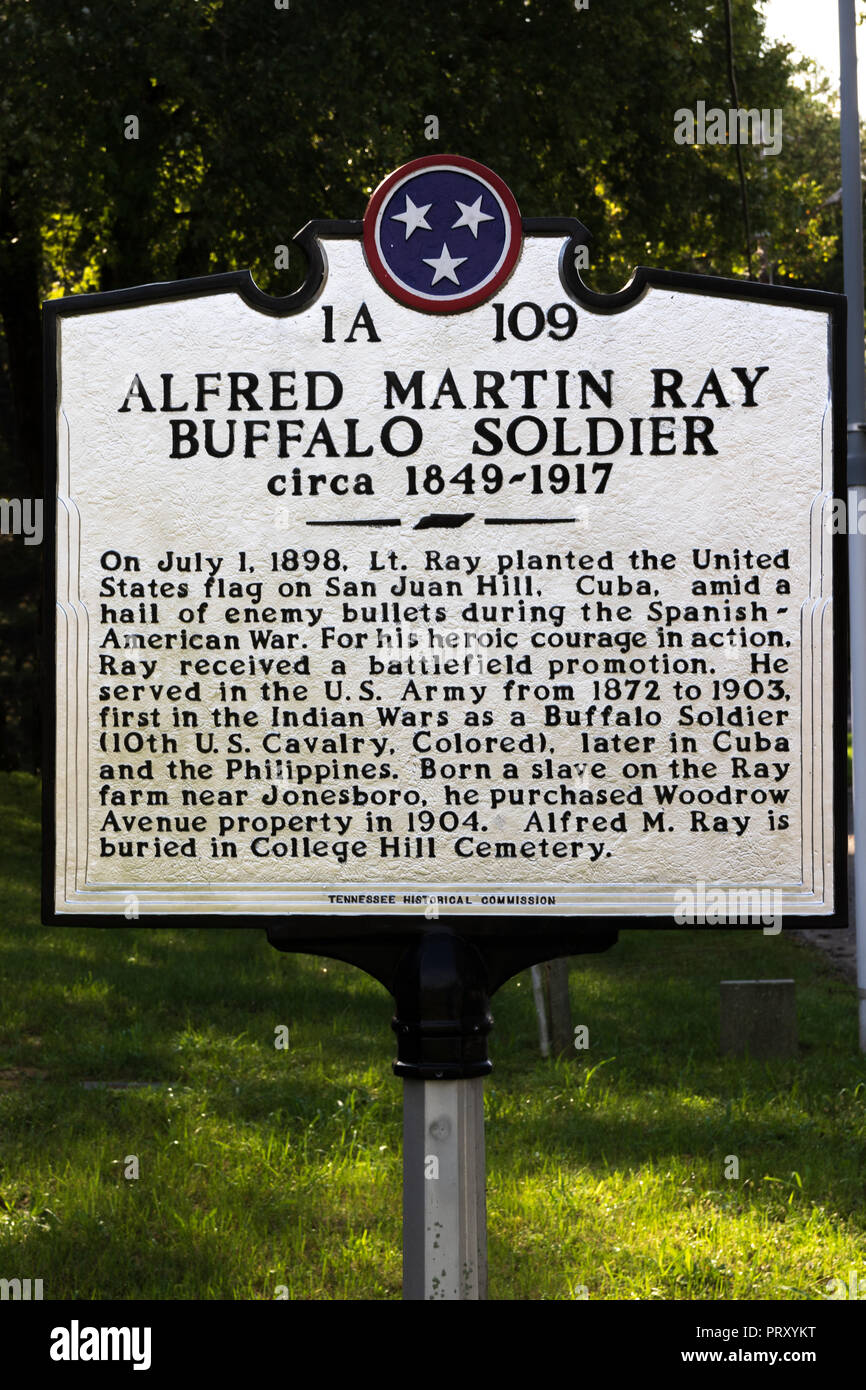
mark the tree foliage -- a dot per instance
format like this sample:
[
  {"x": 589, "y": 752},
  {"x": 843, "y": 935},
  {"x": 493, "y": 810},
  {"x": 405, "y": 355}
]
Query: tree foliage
[{"x": 252, "y": 118}]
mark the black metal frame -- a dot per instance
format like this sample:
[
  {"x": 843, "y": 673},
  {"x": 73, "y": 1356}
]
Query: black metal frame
[{"x": 508, "y": 943}]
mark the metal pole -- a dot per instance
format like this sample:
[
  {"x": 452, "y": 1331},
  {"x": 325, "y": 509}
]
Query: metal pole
[
  {"x": 852, "y": 236},
  {"x": 442, "y": 1021},
  {"x": 444, "y": 1203}
]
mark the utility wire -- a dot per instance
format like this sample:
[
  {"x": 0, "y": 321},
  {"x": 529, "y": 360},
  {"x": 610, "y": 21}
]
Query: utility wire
[{"x": 732, "y": 78}]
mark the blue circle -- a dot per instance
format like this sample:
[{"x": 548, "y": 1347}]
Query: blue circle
[{"x": 406, "y": 250}]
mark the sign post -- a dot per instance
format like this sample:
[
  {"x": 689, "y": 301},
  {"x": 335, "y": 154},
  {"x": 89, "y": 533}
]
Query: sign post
[
  {"x": 442, "y": 1023},
  {"x": 446, "y": 617},
  {"x": 444, "y": 1201},
  {"x": 852, "y": 239}
]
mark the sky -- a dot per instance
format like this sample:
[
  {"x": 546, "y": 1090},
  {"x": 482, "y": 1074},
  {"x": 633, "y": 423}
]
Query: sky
[{"x": 812, "y": 26}]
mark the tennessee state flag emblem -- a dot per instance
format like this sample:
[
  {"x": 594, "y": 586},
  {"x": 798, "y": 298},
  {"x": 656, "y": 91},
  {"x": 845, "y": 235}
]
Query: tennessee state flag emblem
[{"x": 442, "y": 233}]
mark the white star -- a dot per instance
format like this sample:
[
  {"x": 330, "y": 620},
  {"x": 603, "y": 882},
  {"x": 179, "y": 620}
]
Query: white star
[
  {"x": 471, "y": 215},
  {"x": 444, "y": 265},
  {"x": 413, "y": 217}
]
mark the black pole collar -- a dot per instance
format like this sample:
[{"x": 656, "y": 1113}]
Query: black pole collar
[{"x": 442, "y": 1014}]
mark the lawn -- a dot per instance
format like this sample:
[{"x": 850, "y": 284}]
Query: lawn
[{"x": 263, "y": 1169}]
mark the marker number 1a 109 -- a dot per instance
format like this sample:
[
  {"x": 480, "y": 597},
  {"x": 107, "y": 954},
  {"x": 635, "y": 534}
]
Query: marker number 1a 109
[{"x": 526, "y": 321}]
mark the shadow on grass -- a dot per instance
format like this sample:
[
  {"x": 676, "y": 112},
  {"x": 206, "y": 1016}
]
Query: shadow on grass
[{"x": 198, "y": 1009}]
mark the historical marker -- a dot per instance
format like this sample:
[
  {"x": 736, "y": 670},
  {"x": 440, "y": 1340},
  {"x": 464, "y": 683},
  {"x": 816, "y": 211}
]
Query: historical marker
[
  {"x": 445, "y": 585},
  {"x": 445, "y": 617}
]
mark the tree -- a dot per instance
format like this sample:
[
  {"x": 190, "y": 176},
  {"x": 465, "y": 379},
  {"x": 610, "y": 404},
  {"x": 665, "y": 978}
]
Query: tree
[{"x": 249, "y": 120}]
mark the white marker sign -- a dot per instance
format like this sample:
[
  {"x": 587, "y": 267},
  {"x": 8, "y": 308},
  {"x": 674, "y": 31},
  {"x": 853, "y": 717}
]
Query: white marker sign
[{"x": 445, "y": 581}]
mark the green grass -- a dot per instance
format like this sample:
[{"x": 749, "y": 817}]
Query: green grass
[
  {"x": 261, "y": 1168},
  {"x": 850, "y": 760}
]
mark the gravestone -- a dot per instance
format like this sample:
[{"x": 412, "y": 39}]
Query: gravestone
[{"x": 758, "y": 1018}]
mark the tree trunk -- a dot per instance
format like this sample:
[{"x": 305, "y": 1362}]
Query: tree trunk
[{"x": 561, "y": 1035}]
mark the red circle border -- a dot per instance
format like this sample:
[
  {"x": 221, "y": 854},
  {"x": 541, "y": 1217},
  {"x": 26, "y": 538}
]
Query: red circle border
[{"x": 381, "y": 271}]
